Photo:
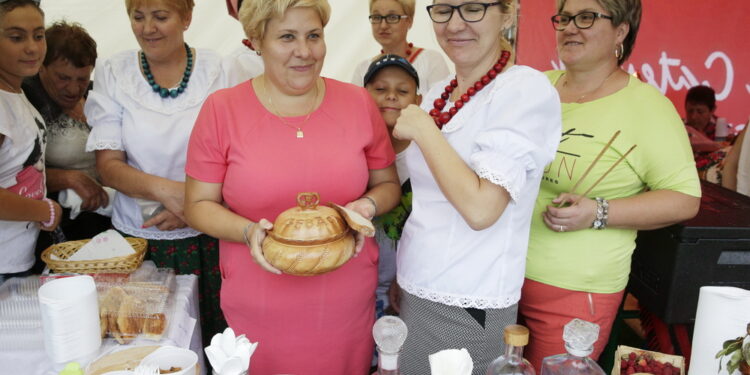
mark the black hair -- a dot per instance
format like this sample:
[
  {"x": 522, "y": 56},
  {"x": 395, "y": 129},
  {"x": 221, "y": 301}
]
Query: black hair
[{"x": 702, "y": 95}]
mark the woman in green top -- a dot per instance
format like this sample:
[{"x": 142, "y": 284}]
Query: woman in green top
[{"x": 579, "y": 254}]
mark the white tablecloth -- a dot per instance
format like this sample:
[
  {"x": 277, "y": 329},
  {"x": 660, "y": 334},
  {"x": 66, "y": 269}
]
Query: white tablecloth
[{"x": 183, "y": 331}]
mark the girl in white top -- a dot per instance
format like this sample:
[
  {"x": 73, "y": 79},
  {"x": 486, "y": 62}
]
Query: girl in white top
[
  {"x": 461, "y": 258},
  {"x": 25, "y": 209},
  {"x": 391, "y": 21},
  {"x": 142, "y": 110}
]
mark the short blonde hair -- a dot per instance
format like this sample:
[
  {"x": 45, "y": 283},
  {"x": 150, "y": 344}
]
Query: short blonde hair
[
  {"x": 408, "y": 6},
  {"x": 183, "y": 7},
  {"x": 255, "y": 14}
]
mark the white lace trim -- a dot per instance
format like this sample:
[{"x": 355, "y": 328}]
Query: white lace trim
[
  {"x": 177, "y": 234},
  {"x": 126, "y": 68},
  {"x": 460, "y": 300},
  {"x": 105, "y": 145},
  {"x": 498, "y": 179}
]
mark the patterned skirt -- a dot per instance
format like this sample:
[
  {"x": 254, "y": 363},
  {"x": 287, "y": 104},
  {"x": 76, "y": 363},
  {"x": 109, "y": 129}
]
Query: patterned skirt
[
  {"x": 434, "y": 327},
  {"x": 198, "y": 256}
]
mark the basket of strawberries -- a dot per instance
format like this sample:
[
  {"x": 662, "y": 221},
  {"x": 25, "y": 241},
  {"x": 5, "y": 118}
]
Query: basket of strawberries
[{"x": 632, "y": 361}]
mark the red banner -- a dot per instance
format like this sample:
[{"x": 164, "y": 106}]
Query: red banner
[{"x": 680, "y": 44}]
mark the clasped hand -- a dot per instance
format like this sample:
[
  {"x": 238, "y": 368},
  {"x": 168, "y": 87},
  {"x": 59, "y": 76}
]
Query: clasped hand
[{"x": 570, "y": 217}]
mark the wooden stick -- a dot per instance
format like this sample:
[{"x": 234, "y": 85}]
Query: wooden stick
[
  {"x": 591, "y": 166},
  {"x": 604, "y": 175}
]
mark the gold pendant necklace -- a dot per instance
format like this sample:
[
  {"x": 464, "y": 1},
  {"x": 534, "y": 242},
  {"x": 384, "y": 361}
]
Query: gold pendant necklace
[
  {"x": 580, "y": 98},
  {"x": 299, "y": 133}
]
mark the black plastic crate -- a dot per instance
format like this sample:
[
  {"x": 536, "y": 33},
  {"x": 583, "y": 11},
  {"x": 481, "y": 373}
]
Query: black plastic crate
[{"x": 671, "y": 264}]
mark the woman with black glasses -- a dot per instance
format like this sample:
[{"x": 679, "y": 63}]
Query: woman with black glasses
[
  {"x": 391, "y": 21},
  {"x": 579, "y": 254},
  {"x": 479, "y": 145}
]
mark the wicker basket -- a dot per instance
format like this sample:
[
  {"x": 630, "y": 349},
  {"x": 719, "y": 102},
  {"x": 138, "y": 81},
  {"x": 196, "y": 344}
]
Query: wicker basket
[{"x": 124, "y": 264}]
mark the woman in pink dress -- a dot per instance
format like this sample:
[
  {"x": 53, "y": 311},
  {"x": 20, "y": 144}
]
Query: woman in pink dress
[{"x": 253, "y": 148}]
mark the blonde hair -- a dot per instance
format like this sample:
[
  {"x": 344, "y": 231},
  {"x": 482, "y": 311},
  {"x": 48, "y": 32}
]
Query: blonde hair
[
  {"x": 622, "y": 11},
  {"x": 255, "y": 14},
  {"x": 408, "y": 6},
  {"x": 183, "y": 7}
]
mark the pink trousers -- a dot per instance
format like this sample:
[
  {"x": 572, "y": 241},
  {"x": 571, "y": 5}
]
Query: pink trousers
[{"x": 545, "y": 310}]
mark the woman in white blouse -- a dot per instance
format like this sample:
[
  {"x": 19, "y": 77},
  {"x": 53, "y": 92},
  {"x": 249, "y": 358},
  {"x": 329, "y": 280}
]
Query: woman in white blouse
[
  {"x": 391, "y": 21},
  {"x": 142, "y": 110},
  {"x": 480, "y": 143}
]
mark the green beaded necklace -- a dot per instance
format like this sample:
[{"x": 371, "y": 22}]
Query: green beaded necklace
[{"x": 164, "y": 92}]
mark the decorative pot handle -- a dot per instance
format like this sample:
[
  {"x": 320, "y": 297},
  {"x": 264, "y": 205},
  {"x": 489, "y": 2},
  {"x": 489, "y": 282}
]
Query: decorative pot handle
[{"x": 308, "y": 200}]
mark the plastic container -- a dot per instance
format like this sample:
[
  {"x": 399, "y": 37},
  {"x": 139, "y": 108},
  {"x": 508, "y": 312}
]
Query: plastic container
[
  {"x": 20, "y": 314},
  {"x": 181, "y": 361},
  {"x": 137, "y": 305}
]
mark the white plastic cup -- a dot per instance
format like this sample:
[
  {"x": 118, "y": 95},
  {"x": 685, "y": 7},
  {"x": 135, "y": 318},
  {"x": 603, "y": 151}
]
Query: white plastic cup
[
  {"x": 722, "y": 129},
  {"x": 70, "y": 318}
]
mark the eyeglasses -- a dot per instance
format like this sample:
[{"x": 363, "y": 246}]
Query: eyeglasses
[
  {"x": 469, "y": 12},
  {"x": 583, "y": 20},
  {"x": 376, "y": 19}
]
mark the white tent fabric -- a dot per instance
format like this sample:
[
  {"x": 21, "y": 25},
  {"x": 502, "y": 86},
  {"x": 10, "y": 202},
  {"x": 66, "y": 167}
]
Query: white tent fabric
[{"x": 348, "y": 34}]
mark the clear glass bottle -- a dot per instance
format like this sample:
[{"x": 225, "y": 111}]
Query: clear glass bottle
[
  {"x": 389, "y": 333},
  {"x": 512, "y": 362},
  {"x": 579, "y": 336}
]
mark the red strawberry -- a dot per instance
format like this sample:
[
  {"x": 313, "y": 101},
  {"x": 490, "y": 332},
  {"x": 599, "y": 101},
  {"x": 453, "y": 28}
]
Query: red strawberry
[
  {"x": 632, "y": 356},
  {"x": 630, "y": 371},
  {"x": 623, "y": 364}
]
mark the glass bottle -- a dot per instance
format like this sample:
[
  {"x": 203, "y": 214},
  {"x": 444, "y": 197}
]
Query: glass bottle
[
  {"x": 389, "y": 333},
  {"x": 579, "y": 336},
  {"x": 512, "y": 362}
]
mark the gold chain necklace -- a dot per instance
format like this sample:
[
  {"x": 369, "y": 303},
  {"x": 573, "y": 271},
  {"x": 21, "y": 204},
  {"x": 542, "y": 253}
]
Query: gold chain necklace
[
  {"x": 300, "y": 133},
  {"x": 580, "y": 98}
]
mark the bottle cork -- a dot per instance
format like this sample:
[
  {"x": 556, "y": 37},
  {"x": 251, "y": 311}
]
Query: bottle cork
[{"x": 516, "y": 335}]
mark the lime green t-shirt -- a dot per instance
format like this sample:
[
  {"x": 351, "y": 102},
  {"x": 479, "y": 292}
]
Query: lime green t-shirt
[{"x": 592, "y": 260}]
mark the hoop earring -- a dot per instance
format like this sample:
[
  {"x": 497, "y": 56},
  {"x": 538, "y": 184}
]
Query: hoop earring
[{"x": 619, "y": 51}]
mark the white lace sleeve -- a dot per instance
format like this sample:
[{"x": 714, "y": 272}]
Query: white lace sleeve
[
  {"x": 522, "y": 132},
  {"x": 103, "y": 112}
]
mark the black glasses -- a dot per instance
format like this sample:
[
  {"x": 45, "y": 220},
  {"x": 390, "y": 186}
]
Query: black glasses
[
  {"x": 376, "y": 19},
  {"x": 583, "y": 20},
  {"x": 469, "y": 12}
]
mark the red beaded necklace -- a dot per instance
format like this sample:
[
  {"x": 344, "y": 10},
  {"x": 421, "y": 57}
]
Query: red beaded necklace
[
  {"x": 409, "y": 46},
  {"x": 442, "y": 118}
]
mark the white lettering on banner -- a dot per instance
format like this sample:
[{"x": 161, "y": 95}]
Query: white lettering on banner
[{"x": 686, "y": 79}]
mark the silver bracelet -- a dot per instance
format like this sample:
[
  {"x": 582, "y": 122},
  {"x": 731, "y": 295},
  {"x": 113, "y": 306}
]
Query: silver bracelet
[
  {"x": 244, "y": 233},
  {"x": 602, "y": 214},
  {"x": 375, "y": 205}
]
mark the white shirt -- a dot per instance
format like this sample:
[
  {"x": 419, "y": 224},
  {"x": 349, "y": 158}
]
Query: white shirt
[
  {"x": 21, "y": 172},
  {"x": 241, "y": 65},
  {"x": 429, "y": 64},
  {"x": 507, "y": 133},
  {"x": 743, "y": 165},
  {"x": 126, "y": 114}
]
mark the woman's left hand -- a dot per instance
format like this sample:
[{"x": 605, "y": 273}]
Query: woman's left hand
[
  {"x": 570, "y": 218},
  {"x": 364, "y": 207},
  {"x": 412, "y": 121}
]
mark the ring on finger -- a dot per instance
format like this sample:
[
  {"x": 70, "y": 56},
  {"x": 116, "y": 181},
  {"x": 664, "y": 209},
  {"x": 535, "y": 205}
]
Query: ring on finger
[{"x": 562, "y": 228}]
